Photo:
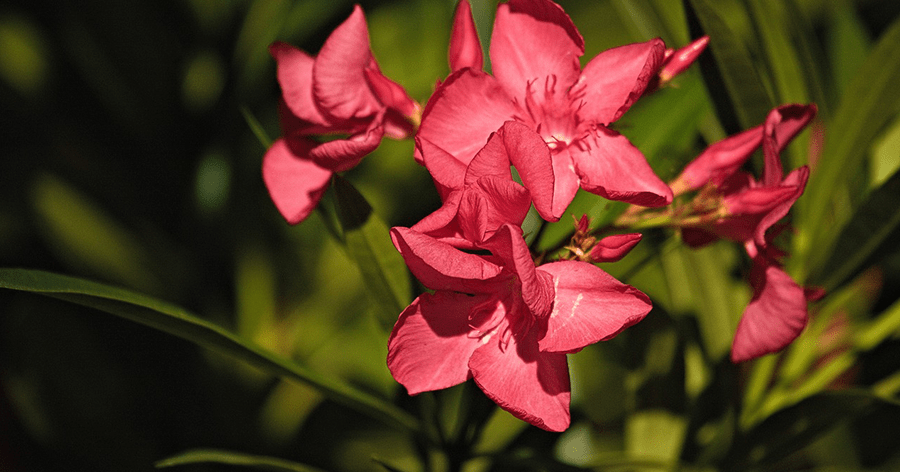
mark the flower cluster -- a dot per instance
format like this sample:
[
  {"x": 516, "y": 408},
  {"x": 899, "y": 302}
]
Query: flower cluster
[{"x": 494, "y": 313}]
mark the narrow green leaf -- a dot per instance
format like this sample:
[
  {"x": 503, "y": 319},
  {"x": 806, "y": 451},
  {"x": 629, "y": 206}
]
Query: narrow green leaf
[
  {"x": 368, "y": 243},
  {"x": 872, "y": 99},
  {"x": 734, "y": 68},
  {"x": 256, "y": 127},
  {"x": 216, "y": 456},
  {"x": 792, "y": 428},
  {"x": 864, "y": 238},
  {"x": 178, "y": 322}
]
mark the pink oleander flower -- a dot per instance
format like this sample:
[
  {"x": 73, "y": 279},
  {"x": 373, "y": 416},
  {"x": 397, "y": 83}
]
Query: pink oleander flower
[
  {"x": 744, "y": 208},
  {"x": 734, "y": 205},
  {"x": 538, "y": 81},
  {"x": 498, "y": 319},
  {"x": 341, "y": 91}
]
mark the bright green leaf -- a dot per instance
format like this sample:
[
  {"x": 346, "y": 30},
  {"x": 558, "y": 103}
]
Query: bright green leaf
[
  {"x": 178, "y": 322},
  {"x": 368, "y": 243},
  {"x": 215, "y": 456}
]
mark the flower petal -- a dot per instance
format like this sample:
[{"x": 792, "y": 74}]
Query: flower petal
[
  {"x": 720, "y": 160},
  {"x": 775, "y": 316},
  {"x": 295, "y": 76},
  {"x": 430, "y": 346},
  {"x": 536, "y": 287},
  {"x": 341, "y": 155},
  {"x": 472, "y": 214},
  {"x": 532, "y": 385},
  {"x": 465, "y": 49},
  {"x": 590, "y": 306},
  {"x": 796, "y": 181},
  {"x": 781, "y": 126},
  {"x": 565, "y": 180},
  {"x": 531, "y": 157},
  {"x": 339, "y": 81},
  {"x": 610, "y": 166},
  {"x": 534, "y": 39},
  {"x": 440, "y": 266},
  {"x": 615, "y": 78},
  {"x": 295, "y": 183},
  {"x": 464, "y": 111}
]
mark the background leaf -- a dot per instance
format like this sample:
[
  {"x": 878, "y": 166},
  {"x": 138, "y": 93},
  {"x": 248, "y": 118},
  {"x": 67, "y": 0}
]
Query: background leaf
[{"x": 176, "y": 321}]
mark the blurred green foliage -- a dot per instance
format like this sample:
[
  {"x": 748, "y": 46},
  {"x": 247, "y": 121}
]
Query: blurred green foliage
[{"x": 128, "y": 158}]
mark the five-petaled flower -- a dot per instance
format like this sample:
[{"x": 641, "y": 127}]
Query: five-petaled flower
[
  {"x": 538, "y": 81},
  {"x": 341, "y": 91},
  {"x": 503, "y": 322}
]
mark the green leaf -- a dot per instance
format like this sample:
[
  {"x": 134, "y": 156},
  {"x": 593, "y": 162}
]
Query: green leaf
[
  {"x": 864, "y": 238},
  {"x": 735, "y": 69},
  {"x": 171, "y": 319},
  {"x": 200, "y": 456},
  {"x": 870, "y": 102},
  {"x": 368, "y": 243},
  {"x": 792, "y": 428}
]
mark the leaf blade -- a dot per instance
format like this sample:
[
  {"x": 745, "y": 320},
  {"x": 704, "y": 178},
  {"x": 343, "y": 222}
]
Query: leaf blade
[{"x": 176, "y": 321}]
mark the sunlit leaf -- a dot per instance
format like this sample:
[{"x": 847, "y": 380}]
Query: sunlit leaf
[
  {"x": 178, "y": 322},
  {"x": 215, "y": 456},
  {"x": 368, "y": 243}
]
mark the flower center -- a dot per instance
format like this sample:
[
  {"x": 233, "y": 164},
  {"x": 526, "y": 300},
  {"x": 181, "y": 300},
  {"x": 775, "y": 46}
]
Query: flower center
[{"x": 552, "y": 112}]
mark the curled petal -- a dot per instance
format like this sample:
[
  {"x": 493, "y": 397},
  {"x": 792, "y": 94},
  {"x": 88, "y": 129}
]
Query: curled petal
[
  {"x": 390, "y": 93},
  {"x": 534, "y": 39},
  {"x": 532, "y": 385},
  {"x": 720, "y": 160},
  {"x": 447, "y": 171},
  {"x": 295, "y": 76},
  {"x": 565, "y": 180},
  {"x": 590, "y": 306},
  {"x": 465, "y": 49},
  {"x": 295, "y": 182},
  {"x": 341, "y": 155},
  {"x": 775, "y": 316},
  {"x": 615, "y": 247},
  {"x": 757, "y": 201},
  {"x": 781, "y": 126},
  {"x": 518, "y": 145},
  {"x": 472, "y": 214},
  {"x": 339, "y": 80},
  {"x": 430, "y": 346},
  {"x": 610, "y": 166},
  {"x": 531, "y": 157},
  {"x": 796, "y": 182},
  {"x": 537, "y": 287},
  {"x": 464, "y": 111},
  {"x": 440, "y": 266},
  {"x": 615, "y": 78}
]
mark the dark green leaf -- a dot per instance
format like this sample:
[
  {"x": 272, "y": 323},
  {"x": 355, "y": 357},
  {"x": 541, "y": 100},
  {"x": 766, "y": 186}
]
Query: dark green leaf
[
  {"x": 872, "y": 99},
  {"x": 178, "y": 322},
  {"x": 791, "y": 429},
  {"x": 200, "y": 456},
  {"x": 368, "y": 243},
  {"x": 734, "y": 69},
  {"x": 864, "y": 239}
]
